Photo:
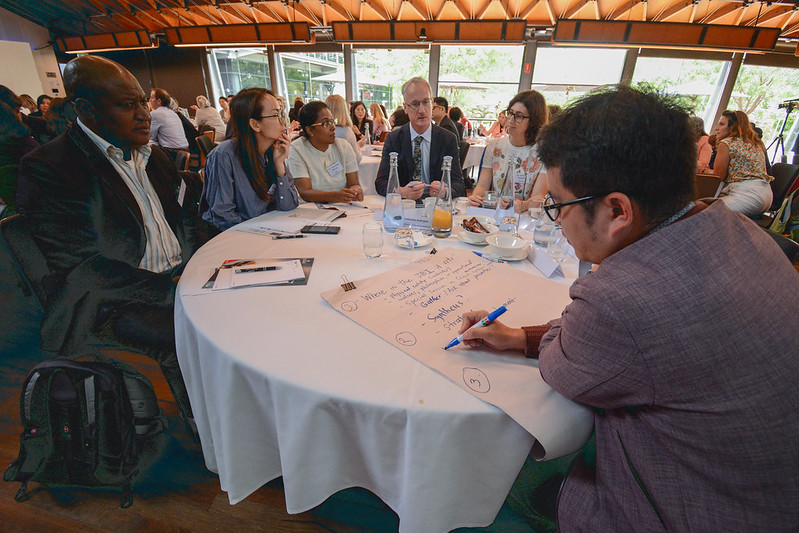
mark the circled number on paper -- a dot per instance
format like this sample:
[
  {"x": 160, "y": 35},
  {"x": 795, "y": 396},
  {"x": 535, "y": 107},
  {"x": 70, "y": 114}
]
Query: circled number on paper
[
  {"x": 406, "y": 338},
  {"x": 349, "y": 306},
  {"x": 476, "y": 380}
]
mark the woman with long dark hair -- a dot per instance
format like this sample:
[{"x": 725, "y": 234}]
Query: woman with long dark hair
[
  {"x": 246, "y": 175},
  {"x": 515, "y": 155},
  {"x": 360, "y": 119},
  {"x": 741, "y": 163},
  {"x": 323, "y": 166}
]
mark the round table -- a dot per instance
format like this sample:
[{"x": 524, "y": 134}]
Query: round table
[{"x": 281, "y": 384}]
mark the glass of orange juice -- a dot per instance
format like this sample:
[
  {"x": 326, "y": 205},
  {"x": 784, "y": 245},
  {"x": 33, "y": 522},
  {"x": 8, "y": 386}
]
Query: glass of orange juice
[{"x": 442, "y": 222}]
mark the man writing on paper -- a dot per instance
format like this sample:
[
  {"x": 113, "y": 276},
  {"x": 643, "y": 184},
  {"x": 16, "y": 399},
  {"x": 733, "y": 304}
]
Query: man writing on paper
[
  {"x": 101, "y": 205},
  {"x": 684, "y": 340},
  {"x": 421, "y": 146}
]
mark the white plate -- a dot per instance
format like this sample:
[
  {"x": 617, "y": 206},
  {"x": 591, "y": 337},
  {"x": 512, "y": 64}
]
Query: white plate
[
  {"x": 463, "y": 239},
  {"x": 521, "y": 254}
]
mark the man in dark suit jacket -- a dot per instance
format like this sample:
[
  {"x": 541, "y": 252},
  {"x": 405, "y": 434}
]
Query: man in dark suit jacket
[
  {"x": 441, "y": 115},
  {"x": 437, "y": 142},
  {"x": 102, "y": 208}
]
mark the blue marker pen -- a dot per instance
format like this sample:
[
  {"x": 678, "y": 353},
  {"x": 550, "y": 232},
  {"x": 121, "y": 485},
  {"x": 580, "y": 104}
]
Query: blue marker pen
[
  {"x": 484, "y": 322},
  {"x": 489, "y": 257}
]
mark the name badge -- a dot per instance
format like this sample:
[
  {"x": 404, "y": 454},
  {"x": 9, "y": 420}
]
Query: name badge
[{"x": 335, "y": 169}]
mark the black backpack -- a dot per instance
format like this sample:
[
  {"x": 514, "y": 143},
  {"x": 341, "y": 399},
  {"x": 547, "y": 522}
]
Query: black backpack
[{"x": 84, "y": 423}]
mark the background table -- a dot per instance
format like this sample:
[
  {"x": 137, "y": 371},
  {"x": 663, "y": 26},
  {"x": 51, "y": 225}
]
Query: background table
[{"x": 282, "y": 384}]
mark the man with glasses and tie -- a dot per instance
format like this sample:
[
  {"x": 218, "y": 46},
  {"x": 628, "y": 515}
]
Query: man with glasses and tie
[
  {"x": 683, "y": 340},
  {"x": 421, "y": 146}
]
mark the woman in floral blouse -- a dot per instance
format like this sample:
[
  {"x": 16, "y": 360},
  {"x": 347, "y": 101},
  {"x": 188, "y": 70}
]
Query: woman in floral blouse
[
  {"x": 741, "y": 163},
  {"x": 515, "y": 156}
]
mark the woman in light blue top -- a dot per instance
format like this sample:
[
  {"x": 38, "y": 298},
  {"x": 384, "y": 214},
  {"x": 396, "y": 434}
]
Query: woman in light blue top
[{"x": 246, "y": 175}]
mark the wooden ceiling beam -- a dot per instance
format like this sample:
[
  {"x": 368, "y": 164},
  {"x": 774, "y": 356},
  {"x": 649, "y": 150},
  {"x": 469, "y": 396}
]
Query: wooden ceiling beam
[
  {"x": 670, "y": 11},
  {"x": 720, "y": 11},
  {"x": 574, "y": 9},
  {"x": 619, "y": 11},
  {"x": 462, "y": 10},
  {"x": 771, "y": 14}
]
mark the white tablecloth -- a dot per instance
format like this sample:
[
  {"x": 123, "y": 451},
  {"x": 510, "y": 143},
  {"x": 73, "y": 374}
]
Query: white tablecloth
[
  {"x": 282, "y": 384},
  {"x": 367, "y": 172}
]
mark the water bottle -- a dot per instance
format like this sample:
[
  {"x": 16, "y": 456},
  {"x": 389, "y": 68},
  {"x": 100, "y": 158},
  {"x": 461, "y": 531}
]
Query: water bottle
[
  {"x": 366, "y": 133},
  {"x": 392, "y": 210},
  {"x": 506, "y": 216},
  {"x": 442, "y": 212}
]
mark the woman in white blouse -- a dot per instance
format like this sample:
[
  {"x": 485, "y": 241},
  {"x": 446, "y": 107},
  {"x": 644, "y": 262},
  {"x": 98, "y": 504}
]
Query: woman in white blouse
[
  {"x": 209, "y": 116},
  {"x": 324, "y": 167},
  {"x": 515, "y": 156}
]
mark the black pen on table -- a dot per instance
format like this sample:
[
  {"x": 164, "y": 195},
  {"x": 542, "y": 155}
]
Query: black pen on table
[{"x": 256, "y": 269}]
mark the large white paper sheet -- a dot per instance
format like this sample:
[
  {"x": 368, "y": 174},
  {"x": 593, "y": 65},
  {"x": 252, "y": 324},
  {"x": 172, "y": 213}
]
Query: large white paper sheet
[{"x": 418, "y": 308}]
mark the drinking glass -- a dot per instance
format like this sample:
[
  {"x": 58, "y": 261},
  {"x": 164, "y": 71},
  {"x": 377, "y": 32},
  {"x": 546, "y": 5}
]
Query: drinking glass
[
  {"x": 490, "y": 200},
  {"x": 536, "y": 210},
  {"x": 543, "y": 233},
  {"x": 373, "y": 239},
  {"x": 557, "y": 245}
]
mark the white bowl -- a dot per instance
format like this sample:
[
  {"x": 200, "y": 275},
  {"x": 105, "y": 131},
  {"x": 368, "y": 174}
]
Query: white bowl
[
  {"x": 507, "y": 245},
  {"x": 479, "y": 238}
]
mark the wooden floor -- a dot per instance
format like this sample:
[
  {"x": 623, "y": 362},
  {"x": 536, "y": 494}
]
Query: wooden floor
[{"x": 173, "y": 493}]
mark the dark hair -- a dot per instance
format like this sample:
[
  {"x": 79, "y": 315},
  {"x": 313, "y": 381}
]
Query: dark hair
[
  {"x": 309, "y": 115},
  {"x": 536, "y": 107},
  {"x": 621, "y": 139},
  {"x": 440, "y": 100},
  {"x": 61, "y": 114},
  {"x": 455, "y": 113},
  {"x": 162, "y": 96},
  {"x": 8, "y": 97},
  {"x": 11, "y": 127},
  {"x": 355, "y": 120},
  {"x": 400, "y": 118},
  {"x": 553, "y": 109},
  {"x": 246, "y": 105},
  {"x": 42, "y": 98}
]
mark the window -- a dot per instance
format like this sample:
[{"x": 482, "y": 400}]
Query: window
[
  {"x": 480, "y": 80},
  {"x": 313, "y": 76},
  {"x": 698, "y": 81},
  {"x": 380, "y": 74},
  {"x": 561, "y": 74},
  {"x": 758, "y": 92},
  {"x": 242, "y": 68}
]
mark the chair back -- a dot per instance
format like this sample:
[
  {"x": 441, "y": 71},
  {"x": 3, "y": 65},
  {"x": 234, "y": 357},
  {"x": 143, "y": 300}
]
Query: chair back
[
  {"x": 463, "y": 149},
  {"x": 784, "y": 177},
  {"x": 181, "y": 159},
  {"x": 789, "y": 247},
  {"x": 206, "y": 145},
  {"x": 211, "y": 134},
  {"x": 28, "y": 260},
  {"x": 383, "y": 136},
  {"x": 708, "y": 186}
]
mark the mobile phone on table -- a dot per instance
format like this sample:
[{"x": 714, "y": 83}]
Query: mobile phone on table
[{"x": 321, "y": 230}]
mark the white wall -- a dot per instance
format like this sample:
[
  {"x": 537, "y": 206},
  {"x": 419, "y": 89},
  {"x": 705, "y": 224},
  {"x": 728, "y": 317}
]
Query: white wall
[{"x": 27, "y": 62}]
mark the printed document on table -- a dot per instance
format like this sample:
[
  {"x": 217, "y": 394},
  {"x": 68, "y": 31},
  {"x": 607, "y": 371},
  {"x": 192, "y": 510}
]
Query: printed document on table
[{"x": 259, "y": 273}]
